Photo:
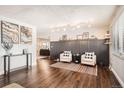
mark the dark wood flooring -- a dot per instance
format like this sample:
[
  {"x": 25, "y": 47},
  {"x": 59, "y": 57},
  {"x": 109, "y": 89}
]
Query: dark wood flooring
[{"x": 43, "y": 76}]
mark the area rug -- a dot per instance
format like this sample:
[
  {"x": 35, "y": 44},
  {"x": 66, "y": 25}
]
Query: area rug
[
  {"x": 13, "y": 85},
  {"x": 76, "y": 67}
]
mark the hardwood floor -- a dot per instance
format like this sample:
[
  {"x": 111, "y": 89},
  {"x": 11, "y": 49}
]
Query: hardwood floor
[{"x": 43, "y": 76}]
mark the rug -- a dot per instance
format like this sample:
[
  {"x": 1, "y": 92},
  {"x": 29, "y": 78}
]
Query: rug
[
  {"x": 76, "y": 67},
  {"x": 13, "y": 85}
]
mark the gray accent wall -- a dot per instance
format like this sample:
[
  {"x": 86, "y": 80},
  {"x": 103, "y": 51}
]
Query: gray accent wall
[{"x": 81, "y": 46}]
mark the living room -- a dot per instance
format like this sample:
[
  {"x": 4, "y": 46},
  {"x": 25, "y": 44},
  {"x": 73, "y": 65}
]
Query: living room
[{"x": 65, "y": 46}]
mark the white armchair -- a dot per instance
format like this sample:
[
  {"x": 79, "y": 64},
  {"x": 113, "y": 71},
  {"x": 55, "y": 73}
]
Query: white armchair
[
  {"x": 89, "y": 58},
  {"x": 66, "y": 56}
]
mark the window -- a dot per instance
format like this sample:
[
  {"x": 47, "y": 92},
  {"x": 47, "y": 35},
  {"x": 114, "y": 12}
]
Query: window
[{"x": 118, "y": 35}]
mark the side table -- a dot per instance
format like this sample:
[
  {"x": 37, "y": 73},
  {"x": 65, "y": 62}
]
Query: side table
[{"x": 76, "y": 58}]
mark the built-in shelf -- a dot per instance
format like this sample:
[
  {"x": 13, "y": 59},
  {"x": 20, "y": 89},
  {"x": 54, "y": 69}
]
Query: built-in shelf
[{"x": 107, "y": 38}]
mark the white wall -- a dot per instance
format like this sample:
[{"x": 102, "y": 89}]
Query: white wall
[
  {"x": 116, "y": 63},
  {"x": 99, "y": 32},
  {"x": 18, "y": 61}
]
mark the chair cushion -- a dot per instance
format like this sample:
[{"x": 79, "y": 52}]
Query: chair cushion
[
  {"x": 88, "y": 60},
  {"x": 89, "y": 55},
  {"x": 66, "y": 55}
]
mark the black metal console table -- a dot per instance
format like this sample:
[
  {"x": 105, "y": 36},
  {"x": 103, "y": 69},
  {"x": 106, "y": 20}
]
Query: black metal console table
[{"x": 7, "y": 62}]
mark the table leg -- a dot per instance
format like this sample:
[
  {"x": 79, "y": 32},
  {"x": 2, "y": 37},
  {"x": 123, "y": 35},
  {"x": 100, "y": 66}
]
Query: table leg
[
  {"x": 31, "y": 60},
  {"x": 27, "y": 60},
  {"x": 8, "y": 65},
  {"x": 5, "y": 65}
]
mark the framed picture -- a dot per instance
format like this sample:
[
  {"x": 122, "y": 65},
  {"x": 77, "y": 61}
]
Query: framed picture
[
  {"x": 10, "y": 30},
  {"x": 25, "y": 35},
  {"x": 64, "y": 37},
  {"x": 85, "y": 35}
]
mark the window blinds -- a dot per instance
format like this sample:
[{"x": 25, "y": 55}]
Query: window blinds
[{"x": 118, "y": 35}]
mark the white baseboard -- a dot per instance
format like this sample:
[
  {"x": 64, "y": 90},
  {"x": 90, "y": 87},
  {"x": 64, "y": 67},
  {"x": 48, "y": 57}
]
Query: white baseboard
[{"x": 118, "y": 78}]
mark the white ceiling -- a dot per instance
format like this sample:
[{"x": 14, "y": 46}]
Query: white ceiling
[{"x": 43, "y": 17}]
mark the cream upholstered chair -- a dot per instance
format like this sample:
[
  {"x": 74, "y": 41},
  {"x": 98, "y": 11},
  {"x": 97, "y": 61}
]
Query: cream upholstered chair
[
  {"x": 66, "y": 56},
  {"x": 89, "y": 58}
]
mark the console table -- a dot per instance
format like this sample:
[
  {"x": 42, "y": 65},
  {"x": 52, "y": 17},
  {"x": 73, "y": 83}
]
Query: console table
[{"x": 7, "y": 62}]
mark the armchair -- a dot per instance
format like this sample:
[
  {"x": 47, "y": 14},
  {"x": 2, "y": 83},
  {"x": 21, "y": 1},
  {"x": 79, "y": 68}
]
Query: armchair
[
  {"x": 66, "y": 56},
  {"x": 89, "y": 58}
]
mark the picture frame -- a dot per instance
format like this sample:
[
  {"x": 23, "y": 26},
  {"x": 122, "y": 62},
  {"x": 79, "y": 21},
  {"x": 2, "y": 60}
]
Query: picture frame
[
  {"x": 10, "y": 30},
  {"x": 25, "y": 35},
  {"x": 64, "y": 37}
]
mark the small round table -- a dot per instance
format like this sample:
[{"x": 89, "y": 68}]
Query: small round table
[{"x": 76, "y": 58}]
